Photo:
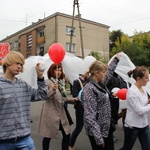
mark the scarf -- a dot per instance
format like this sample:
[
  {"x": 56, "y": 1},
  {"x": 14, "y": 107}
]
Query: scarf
[{"x": 61, "y": 87}]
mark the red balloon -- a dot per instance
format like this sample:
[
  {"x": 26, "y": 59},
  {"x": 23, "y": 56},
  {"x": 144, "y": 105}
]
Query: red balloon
[
  {"x": 0, "y": 62},
  {"x": 4, "y": 49},
  {"x": 122, "y": 93},
  {"x": 56, "y": 53}
]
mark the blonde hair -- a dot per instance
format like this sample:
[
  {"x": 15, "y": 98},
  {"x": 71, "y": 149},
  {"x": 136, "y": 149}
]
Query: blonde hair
[
  {"x": 11, "y": 58},
  {"x": 97, "y": 66}
]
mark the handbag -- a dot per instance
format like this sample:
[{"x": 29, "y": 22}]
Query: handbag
[{"x": 68, "y": 114}]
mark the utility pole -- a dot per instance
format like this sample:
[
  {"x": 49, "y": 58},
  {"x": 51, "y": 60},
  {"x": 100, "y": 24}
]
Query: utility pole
[
  {"x": 72, "y": 27},
  {"x": 26, "y": 21}
]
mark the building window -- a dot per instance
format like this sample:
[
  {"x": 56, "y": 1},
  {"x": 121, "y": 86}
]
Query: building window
[
  {"x": 69, "y": 29},
  {"x": 29, "y": 42},
  {"x": 41, "y": 33},
  {"x": 41, "y": 52},
  {"x": 73, "y": 47},
  {"x": 15, "y": 44},
  {"x": 11, "y": 45}
]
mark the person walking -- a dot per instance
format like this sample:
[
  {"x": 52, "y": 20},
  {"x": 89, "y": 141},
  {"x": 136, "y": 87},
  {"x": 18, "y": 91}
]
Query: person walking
[
  {"x": 116, "y": 81},
  {"x": 15, "y": 99},
  {"x": 54, "y": 114},
  {"x": 97, "y": 108},
  {"x": 138, "y": 105},
  {"x": 77, "y": 86}
]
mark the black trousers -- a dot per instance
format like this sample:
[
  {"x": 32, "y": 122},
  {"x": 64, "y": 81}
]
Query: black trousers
[
  {"x": 65, "y": 140},
  {"x": 109, "y": 143},
  {"x": 79, "y": 124}
]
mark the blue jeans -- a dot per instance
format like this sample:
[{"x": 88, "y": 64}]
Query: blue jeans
[
  {"x": 131, "y": 134},
  {"x": 25, "y": 144},
  {"x": 79, "y": 124}
]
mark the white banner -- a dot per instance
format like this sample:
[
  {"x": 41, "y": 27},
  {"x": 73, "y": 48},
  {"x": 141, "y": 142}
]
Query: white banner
[{"x": 72, "y": 67}]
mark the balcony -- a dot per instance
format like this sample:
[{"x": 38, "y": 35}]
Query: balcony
[{"x": 41, "y": 40}]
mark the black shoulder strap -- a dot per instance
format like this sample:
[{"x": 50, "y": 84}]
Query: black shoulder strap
[{"x": 80, "y": 83}]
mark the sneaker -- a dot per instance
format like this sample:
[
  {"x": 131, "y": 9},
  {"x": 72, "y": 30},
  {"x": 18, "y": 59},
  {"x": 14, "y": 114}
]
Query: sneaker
[{"x": 114, "y": 139}]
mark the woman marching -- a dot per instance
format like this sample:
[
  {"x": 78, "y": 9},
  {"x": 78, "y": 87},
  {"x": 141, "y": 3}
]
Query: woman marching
[
  {"x": 54, "y": 115},
  {"x": 96, "y": 99},
  {"x": 138, "y": 105}
]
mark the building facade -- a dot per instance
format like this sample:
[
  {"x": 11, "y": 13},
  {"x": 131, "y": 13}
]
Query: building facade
[{"x": 37, "y": 38}]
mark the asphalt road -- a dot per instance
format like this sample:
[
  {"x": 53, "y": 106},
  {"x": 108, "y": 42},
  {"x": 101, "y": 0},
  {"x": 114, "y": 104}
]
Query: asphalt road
[{"x": 82, "y": 142}]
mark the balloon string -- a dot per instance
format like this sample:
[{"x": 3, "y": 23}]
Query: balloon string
[{"x": 56, "y": 73}]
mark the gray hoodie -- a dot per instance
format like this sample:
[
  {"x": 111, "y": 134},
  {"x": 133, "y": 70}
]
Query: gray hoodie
[{"x": 15, "y": 100}]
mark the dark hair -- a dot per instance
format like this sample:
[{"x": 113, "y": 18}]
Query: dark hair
[
  {"x": 50, "y": 72},
  {"x": 137, "y": 72}
]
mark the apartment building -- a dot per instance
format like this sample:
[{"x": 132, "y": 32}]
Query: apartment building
[{"x": 56, "y": 28}]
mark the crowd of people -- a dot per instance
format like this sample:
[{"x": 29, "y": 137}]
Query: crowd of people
[{"x": 97, "y": 109}]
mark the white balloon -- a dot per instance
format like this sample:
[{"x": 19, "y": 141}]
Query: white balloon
[
  {"x": 76, "y": 65},
  {"x": 71, "y": 76},
  {"x": 87, "y": 62},
  {"x": 74, "y": 68},
  {"x": 115, "y": 90},
  {"x": 122, "y": 104},
  {"x": 41, "y": 66}
]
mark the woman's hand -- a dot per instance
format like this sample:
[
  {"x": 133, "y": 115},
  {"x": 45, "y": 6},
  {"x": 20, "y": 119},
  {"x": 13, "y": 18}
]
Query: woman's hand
[
  {"x": 118, "y": 55},
  {"x": 55, "y": 86},
  {"x": 75, "y": 99},
  {"x": 102, "y": 145}
]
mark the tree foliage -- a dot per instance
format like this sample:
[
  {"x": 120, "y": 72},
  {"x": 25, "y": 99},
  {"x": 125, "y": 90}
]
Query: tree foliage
[
  {"x": 136, "y": 47},
  {"x": 98, "y": 56},
  {"x": 114, "y": 36}
]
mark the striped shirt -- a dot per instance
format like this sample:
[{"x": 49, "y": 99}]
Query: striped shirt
[{"x": 15, "y": 100}]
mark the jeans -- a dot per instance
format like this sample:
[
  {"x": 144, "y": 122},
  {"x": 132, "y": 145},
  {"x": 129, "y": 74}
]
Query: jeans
[
  {"x": 25, "y": 144},
  {"x": 131, "y": 134},
  {"x": 79, "y": 124}
]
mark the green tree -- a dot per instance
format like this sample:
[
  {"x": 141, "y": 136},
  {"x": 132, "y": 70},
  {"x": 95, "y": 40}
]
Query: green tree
[
  {"x": 136, "y": 47},
  {"x": 113, "y": 37},
  {"x": 98, "y": 56},
  {"x": 143, "y": 39}
]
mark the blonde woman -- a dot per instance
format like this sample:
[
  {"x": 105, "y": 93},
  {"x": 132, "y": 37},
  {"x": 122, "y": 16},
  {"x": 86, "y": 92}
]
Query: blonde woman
[{"x": 97, "y": 106}]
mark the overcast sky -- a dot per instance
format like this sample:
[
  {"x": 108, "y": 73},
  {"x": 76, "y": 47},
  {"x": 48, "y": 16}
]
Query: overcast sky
[{"x": 125, "y": 15}]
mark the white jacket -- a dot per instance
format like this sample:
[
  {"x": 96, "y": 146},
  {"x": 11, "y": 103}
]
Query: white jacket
[{"x": 137, "y": 108}]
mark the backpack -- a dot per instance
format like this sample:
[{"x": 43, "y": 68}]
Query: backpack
[{"x": 79, "y": 95}]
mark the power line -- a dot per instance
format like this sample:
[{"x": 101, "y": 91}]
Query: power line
[{"x": 7, "y": 20}]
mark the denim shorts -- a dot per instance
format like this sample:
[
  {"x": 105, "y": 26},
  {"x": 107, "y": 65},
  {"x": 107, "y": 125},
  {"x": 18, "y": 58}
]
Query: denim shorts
[{"x": 24, "y": 144}]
